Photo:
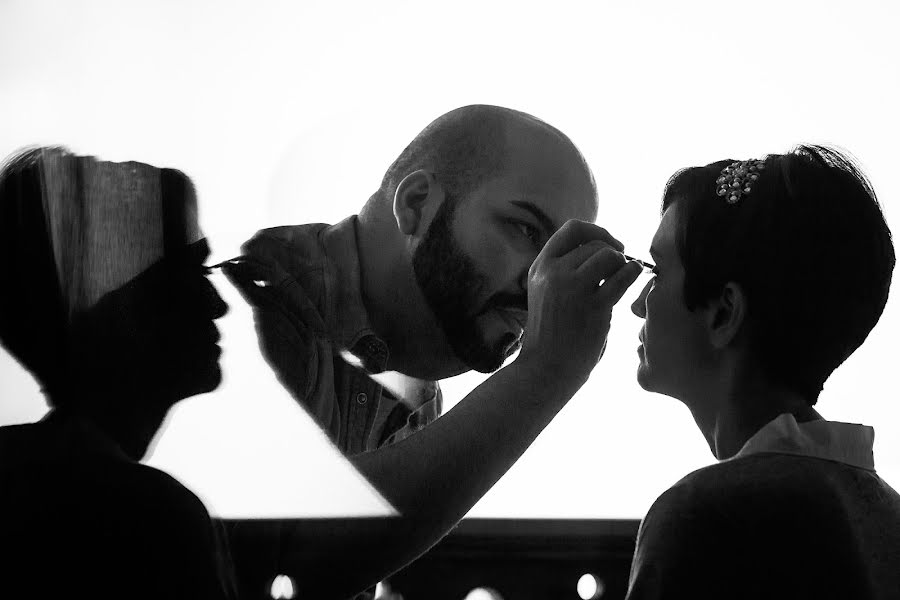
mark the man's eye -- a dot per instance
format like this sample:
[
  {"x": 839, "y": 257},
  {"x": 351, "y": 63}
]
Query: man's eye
[{"x": 528, "y": 231}]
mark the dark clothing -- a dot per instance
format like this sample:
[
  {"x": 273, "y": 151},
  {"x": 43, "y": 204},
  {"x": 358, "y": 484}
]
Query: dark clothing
[
  {"x": 82, "y": 520},
  {"x": 771, "y": 525}
]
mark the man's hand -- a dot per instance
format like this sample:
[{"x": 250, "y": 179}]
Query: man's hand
[{"x": 568, "y": 310}]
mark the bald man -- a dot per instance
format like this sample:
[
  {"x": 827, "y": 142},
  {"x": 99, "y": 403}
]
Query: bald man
[{"x": 480, "y": 231}]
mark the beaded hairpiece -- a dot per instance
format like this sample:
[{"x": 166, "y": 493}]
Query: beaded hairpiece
[{"x": 737, "y": 179}]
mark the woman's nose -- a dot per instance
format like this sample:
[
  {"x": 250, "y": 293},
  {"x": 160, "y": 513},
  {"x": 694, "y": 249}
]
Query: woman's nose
[
  {"x": 217, "y": 305},
  {"x": 639, "y": 306}
]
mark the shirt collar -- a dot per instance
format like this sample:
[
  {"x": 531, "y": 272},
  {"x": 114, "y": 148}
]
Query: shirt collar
[
  {"x": 347, "y": 317},
  {"x": 830, "y": 440}
]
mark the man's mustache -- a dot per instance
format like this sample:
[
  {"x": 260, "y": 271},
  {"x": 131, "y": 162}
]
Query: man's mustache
[{"x": 506, "y": 301}]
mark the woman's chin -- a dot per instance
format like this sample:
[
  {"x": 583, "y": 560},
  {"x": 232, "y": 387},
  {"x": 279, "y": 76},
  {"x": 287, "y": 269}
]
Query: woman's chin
[
  {"x": 210, "y": 379},
  {"x": 644, "y": 378},
  {"x": 203, "y": 379}
]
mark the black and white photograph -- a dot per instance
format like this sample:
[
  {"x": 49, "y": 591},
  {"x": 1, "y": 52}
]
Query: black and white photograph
[{"x": 484, "y": 300}]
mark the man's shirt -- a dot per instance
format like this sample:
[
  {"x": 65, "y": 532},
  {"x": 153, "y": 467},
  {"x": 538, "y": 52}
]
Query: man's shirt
[
  {"x": 798, "y": 512},
  {"x": 315, "y": 332}
]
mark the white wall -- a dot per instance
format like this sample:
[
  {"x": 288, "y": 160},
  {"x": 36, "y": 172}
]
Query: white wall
[{"x": 290, "y": 112}]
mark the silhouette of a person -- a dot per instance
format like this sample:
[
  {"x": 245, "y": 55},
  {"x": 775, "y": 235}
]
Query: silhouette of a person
[{"x": 79, "y": 515}]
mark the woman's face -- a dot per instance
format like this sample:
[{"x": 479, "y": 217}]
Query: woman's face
[
  {"x": 672, "y": 337},
  {"x": 153, "y": 339}
]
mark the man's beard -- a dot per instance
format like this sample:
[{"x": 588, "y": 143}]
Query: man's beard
[{"x": 451, "y": 285}]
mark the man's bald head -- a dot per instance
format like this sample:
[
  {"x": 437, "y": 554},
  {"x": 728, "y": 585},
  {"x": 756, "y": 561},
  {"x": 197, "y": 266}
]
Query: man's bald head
[
  {"x": 471, "y": 145},
  {"x": 447, "y": 241}
]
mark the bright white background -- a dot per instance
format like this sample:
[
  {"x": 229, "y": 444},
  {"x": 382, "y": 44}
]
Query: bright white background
[{"x": 290, "y": 113}]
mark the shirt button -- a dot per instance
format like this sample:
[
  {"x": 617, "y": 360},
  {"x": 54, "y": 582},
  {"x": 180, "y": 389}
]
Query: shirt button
[{"x": 361, "y": 398}]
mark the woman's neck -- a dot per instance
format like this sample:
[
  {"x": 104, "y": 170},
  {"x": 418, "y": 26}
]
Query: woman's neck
[
  {"x": 132, "y": 428},
  {"x": 741, "y": 412}
]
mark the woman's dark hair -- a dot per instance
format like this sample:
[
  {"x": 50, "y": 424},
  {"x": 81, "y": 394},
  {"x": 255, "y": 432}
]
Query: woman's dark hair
[
  {"x": 810, "y": 248},
  {"x": 33, "y": 317}
]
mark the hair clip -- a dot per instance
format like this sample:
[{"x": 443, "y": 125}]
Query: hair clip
[{"x": 737, "y": 179}]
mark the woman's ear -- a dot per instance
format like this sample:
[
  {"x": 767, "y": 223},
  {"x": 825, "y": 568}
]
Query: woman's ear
[
  {"x": 726, "y": 315},
  {"x": 414, "y": 192}
]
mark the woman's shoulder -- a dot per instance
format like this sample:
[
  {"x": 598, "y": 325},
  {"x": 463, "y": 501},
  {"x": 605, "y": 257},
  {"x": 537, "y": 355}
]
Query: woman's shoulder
[
  {"x": 163, "y": 485},
  {"x": 765, "y": 485},
  {"x": 788, "y": 470}
]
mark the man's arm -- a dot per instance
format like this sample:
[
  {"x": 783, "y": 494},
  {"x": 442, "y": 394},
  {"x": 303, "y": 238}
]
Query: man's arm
[{"x": 435, "y": 476}]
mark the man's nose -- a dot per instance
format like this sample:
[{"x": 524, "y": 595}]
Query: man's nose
[
  {"x": 523, "y": 280},
  {"x": 639, "y": 306}
]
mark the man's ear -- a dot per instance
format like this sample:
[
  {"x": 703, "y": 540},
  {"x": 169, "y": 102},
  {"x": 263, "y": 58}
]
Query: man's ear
[
  {"x": 726, "y": 315},
  {"x": 416, "y": 191}
]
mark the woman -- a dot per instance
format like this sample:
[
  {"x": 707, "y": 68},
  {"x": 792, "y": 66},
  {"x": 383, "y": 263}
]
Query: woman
[
  {"x": 769, "y": 274},
  {"x": 104, "y": 300}
]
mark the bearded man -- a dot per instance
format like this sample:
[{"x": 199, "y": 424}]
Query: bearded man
[{"x": 445, "y": 268}]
